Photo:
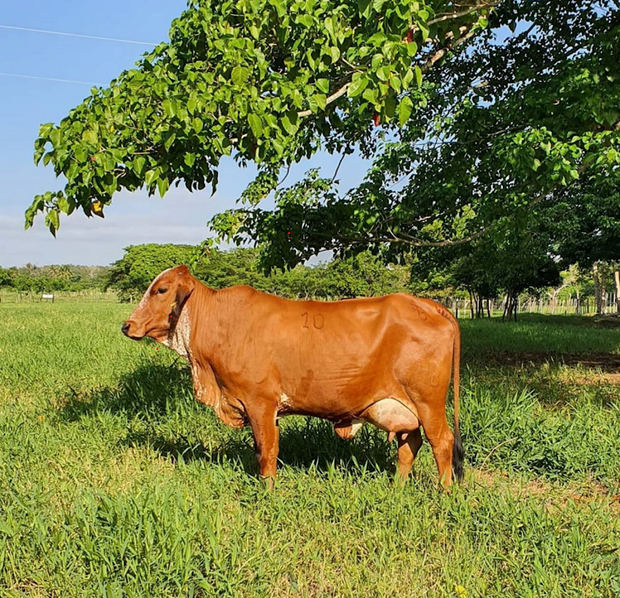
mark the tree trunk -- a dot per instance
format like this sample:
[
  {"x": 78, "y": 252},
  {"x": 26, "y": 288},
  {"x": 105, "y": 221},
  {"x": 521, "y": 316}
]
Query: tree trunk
[
  {"x": 516, "y": 306},
  {"x": 577, "y": 301},
  {"x": 617, "y": 281},
  {"x": 598, "y": 295}
]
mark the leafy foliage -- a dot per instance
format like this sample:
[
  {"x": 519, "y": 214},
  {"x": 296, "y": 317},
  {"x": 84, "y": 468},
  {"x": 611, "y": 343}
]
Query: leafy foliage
[
  {"x": 362, "y": 275},
  {"x": 132, "y": 274},
  {"x": 262, "y": 80},
  {"x": 38, "y": 279},
  {"x": 522, "y": 124}
]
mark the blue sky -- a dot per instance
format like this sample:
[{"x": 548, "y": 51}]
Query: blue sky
[{"x": 26, "y": 103}]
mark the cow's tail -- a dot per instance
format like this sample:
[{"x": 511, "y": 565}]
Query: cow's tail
[{"x": 457, "y": 451}]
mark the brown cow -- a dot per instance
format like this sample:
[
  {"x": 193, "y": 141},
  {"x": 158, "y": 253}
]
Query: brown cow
[{"x": 254, "y": 357}]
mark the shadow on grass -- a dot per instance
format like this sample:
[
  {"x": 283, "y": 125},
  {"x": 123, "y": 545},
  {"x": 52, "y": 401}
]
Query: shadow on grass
[{"x": 158, "y": 405}]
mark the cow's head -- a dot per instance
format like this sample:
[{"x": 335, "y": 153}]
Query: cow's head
[{"x": 160, "y": 308}]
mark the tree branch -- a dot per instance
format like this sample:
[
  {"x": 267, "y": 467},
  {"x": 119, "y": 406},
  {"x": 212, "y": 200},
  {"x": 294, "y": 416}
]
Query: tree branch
[
  {"x": 456, "y": 15},
  {"x": 330, "y": 99}
]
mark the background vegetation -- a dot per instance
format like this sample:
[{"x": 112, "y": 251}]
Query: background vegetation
[{"x": 482, "y": 279}]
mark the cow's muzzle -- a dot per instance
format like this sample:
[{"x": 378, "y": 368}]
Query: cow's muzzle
[{"x": 125, "y": 329}]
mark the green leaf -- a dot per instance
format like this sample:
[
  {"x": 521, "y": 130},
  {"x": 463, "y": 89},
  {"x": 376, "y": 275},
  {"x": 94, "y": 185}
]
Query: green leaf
[
  {"x": 162, "y": 186},
  {"x": 256, "y": 125},
  {"x": 323, "y": 85},
  {"x": 357, "y": 86},
  {"x": 305, "y": 20},
  {"x": 139, "y": 164},
  {"x": 404, "y": 110},
  {"x": 150, "y": 176},
  {"x": 52, "y": 221},
  {"x": 289, "y": 122},
  {"x": 390, "y": 106},
  {"x": 321, "y": 100},
  {"x": 170, "y": 138},
  {"x": 45, "y": 129},
  {"x": 63, "y": 204},
  {"x": 90, "y": 136},
  {"x": 383, "y": 73},
  {"x": 240, "y": 75},
  {"x": 254, "y": 31},
  {"x": 418, "y": 75}
]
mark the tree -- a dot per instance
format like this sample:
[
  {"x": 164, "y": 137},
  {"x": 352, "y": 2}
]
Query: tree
[
  {"x": 516, "y": 125},
  {"x": 131, "y": 275},
  {"x": 6, "y": 278},
  {"x": 510, "y": 261},
  {"x": 268, "y": 81}
]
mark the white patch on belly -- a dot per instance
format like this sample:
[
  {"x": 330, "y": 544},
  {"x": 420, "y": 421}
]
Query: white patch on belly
[
  {"x": 284, "y": 399},
  {"x": 392, "y": 416},
  {"x": 356, "y": 425}
]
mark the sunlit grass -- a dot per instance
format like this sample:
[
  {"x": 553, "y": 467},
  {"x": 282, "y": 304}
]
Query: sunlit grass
[{"x": 115, "y": 482}]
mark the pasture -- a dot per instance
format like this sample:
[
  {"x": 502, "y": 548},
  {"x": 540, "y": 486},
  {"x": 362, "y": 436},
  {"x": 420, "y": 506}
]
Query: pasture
[{"x": 115, "y": 482}]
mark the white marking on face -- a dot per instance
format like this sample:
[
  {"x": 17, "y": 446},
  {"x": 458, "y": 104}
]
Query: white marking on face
[{"x": 147, "y": 293}]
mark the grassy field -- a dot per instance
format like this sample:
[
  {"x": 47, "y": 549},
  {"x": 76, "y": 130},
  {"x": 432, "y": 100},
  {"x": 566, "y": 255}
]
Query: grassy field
[{"x": 114, "y": 482}]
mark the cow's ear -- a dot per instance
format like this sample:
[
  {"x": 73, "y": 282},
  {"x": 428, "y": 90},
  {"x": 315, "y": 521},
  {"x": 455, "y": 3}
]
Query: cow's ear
[
  {"x": 182, "y": 270},
  {"x": 184, "y": 290}
]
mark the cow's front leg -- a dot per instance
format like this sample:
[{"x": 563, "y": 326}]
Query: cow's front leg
[{"x": 266, "y": 439}]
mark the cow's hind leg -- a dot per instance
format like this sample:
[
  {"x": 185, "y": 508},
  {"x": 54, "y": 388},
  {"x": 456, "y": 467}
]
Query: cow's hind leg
[
  {"x": 266, "y": 439},
  {"x": 409, "y": 444},
  {"x": 440, "y": 438}
]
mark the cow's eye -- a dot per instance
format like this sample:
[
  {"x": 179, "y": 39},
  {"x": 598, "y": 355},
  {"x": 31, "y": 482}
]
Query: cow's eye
[{"x": 162, "y": 291}]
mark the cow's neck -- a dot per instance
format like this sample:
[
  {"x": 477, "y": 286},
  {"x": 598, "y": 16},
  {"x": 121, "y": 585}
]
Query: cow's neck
[
  {"x": 179, "y": 339},
  {"x": 192, "y": 313},
  {"x": 196, "y": 315}
]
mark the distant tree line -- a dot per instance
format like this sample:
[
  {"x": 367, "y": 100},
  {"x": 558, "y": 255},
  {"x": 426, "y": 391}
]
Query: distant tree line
[
  {"x": 486, "y": 273},
  {"x": 483, "y": 275},
  {"x": 41, "y": 279}
]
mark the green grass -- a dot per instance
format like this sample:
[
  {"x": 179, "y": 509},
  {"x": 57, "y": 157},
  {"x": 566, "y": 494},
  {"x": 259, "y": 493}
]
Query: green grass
[{"x": 115, "y": 482}]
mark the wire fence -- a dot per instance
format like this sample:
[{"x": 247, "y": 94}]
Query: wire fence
[
  {"x": 88, "y": 296},
  {"x": 464, "y": 308}
]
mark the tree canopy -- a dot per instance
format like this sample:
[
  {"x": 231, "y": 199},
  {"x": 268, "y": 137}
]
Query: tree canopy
[
  {"x": 270, "y": 81},
  {"x": 521, "y": 129}
]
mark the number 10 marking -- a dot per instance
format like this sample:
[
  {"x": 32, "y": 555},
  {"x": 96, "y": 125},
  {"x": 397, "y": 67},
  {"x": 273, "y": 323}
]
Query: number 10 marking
[{"x": 318, "y": 321}]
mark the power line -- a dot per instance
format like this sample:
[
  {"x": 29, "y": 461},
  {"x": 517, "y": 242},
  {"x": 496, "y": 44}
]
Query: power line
[
  {"x": 36, "y": 77},
  {"x": 81, "y": 35}
]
